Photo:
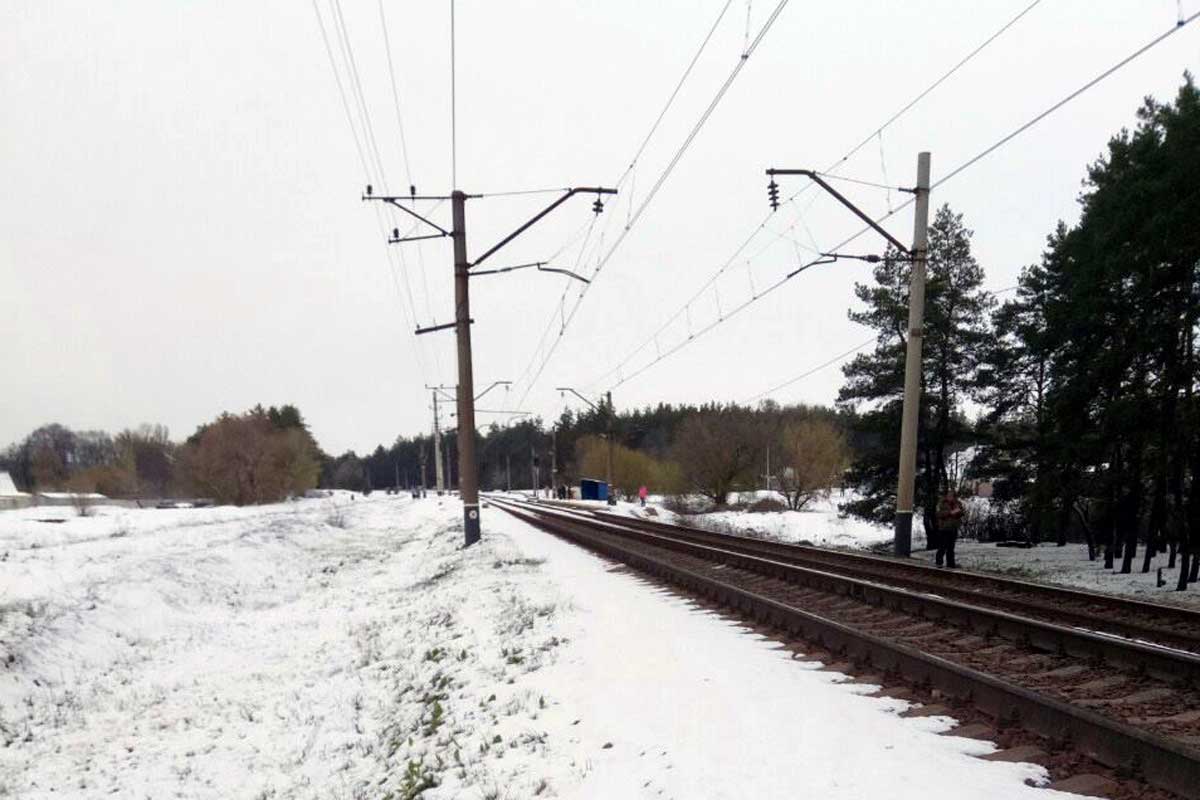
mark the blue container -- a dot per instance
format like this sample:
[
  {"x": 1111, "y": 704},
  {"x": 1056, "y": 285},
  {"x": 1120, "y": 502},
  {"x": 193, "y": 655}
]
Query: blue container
[{"x": 590, "y": 489}]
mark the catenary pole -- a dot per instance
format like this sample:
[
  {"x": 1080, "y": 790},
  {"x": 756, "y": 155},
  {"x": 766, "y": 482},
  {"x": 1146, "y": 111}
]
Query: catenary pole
[
  {"x": 608, "y": 460},
  {"x": 468, "y": 477},
  {"x": 912, "y": 364},
  {"x": 554, "y": 460},
  {"x": 437, "y": 447}
]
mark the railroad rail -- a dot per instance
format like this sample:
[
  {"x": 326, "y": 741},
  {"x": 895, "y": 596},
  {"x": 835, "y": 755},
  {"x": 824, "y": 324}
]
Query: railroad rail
[
  {"x": 1169, "y": 626},
  {"x": 1130, "y": 705}
]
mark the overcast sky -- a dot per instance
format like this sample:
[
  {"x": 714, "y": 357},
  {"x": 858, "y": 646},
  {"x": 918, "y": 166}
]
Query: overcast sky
[{"x": 181, "y": 231}]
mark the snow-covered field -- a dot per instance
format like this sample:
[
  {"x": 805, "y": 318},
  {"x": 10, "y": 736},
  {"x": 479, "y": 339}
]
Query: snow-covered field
[{"x": 267, "y": 653}]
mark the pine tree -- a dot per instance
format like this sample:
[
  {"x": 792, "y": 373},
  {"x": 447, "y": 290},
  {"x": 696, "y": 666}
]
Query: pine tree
[{"x": 956, "y": 313}]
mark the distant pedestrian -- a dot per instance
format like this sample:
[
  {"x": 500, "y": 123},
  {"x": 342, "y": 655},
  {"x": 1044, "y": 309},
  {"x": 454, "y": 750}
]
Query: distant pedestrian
[
  {"x": 949, "y": 518},
  {"x": 642, "y": 495}
]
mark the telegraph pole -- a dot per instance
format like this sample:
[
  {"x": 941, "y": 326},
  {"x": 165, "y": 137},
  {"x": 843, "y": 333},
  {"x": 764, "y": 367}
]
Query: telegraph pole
[
  {"x": 912, "y": 364},
  {"x": 437, "y": 447},
  {"x": 468, "y": 466},
  {"x": 905, "y": 489},
  {"x": 608, "y": 460},
  {"x": 554, "y": 460},
  {"x": 421, "y": 456},
  {"x": 533, "y": 469}
]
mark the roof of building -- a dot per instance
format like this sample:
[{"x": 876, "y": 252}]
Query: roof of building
[{"x": 7, "y": 487}]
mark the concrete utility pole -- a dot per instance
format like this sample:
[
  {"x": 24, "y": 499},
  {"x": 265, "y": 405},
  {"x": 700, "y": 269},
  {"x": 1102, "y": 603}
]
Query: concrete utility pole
[
  {"x": 421, "y": 456},
  {"x": 916, "y": 322},
  {"x": 912, "y": 364},
  {"x": 508, "y": 472},
  {"x": 437, "y": 447},
  {"x": 554, "y": 460},
  {"x": 608, "y": 461},
  {"x": 468, "y": 468},
  {"x": 533, "y": 470}
]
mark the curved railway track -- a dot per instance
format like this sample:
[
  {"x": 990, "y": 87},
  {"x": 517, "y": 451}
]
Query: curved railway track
[{"x": 1098, "y": 686}]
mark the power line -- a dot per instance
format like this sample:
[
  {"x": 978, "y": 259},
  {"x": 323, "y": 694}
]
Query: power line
[
  {"x": 620, "y": 181},
  {"x": 682, "y": 79},
  {"x": 849, "y": 154},
  {"x": 953, "y": 173},
  {"x": 358, "y": 143},
  {"x": 679, "y": 153},
  {"x": 387, "y": 46},
  {"x": 813, "y": 370}
]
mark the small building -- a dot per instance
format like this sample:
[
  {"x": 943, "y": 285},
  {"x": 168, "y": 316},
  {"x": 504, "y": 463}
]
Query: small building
[
  {"x": 10, "y": 497},
  {"x": 591, "y": 489}
]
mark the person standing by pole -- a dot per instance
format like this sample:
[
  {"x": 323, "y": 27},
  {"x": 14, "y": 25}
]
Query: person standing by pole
[{"x": 949, "y": 518}]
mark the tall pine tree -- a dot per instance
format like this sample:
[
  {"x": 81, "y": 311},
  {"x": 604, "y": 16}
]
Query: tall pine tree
[{"x": 956, "y": 313}]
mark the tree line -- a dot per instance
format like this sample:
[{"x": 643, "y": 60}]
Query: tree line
[
  {"x": 1075, "y": 397},
  {"x": 263, "y": 455}
]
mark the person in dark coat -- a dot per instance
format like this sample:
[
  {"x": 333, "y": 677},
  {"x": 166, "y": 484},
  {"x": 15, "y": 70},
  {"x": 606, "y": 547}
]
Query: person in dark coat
[{"x": 949, "y": 518}]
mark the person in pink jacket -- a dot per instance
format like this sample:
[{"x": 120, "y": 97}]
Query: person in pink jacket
[{"x": 642, "y": 495}]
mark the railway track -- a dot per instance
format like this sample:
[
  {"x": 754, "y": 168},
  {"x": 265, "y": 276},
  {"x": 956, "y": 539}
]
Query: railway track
[
  {"x": 1115, "y": 697},
  {"x": 1169, "y": 626}
]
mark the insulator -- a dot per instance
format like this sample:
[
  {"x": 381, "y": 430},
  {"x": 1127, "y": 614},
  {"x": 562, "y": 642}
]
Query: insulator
[
  {"x": 773, "y": 194},
  {"x": 598, "y": 206},
  {"x": 369, "y": 190},
  {"x": 395, "y": 233}
]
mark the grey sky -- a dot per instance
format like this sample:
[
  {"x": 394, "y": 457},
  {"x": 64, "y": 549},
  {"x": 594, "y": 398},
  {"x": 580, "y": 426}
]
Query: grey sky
[{"x": 181, "y": 231}]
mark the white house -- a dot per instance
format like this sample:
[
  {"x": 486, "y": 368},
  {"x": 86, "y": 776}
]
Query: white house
[{"x": 9, "y": 496}]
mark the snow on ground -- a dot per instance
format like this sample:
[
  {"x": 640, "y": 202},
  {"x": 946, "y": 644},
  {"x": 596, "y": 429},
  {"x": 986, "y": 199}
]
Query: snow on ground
[
  {"x": 1069, "y": 566},
  {"x": 818, "y": 523},
  {"x": 301, "y": 651}
]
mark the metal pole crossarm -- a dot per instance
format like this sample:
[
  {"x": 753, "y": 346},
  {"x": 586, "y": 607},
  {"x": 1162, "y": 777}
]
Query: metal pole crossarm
[
  {"x": 541, "y": 267},
  {"x": 577, "y": 394},
  {"x": 444, "y": 327},
  {"x": 538, "y": 216},
  {"x": 395, "y": 201},
  {"x": 442, "y": 390},
  {"x": 567, "y": 272},
  {"x": 394, "y": 240},
  {"x": 812, "y": 175},
  {"x": 829, "y": 258},
  {"x": 513, "y": 268},
  {"x": 370, "y": 195},
  {"x": 493, "y": 386}
]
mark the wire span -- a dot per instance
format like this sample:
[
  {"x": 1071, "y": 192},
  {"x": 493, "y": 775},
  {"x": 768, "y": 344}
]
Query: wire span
[{"x": 952, "y": 174}]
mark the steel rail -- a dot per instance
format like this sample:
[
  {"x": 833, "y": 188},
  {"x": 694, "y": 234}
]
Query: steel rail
[
  {"x": 1164, "y": 762},
  {"x": 1105, "y": 612},
  {"x": 1100, "y": 613},
  {"x": 1163, "y": 663}
]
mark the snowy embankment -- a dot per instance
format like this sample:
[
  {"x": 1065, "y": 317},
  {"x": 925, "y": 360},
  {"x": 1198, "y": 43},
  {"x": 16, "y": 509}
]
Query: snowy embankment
[
  {"x": 1069, "y": 566},
  {"x": 267, "y": 653},
  {"x": 818, "y": 523}
]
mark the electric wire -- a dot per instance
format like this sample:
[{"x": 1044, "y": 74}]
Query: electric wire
[
  {"x": 792, "y": 198},
  {"x": 812, "y": 370},
  {"x": 387, "y": 46},
  {"x": 368, "y": 152},
  {"x": 953, "y": 173},
  {"x": 662, "y": 178}
]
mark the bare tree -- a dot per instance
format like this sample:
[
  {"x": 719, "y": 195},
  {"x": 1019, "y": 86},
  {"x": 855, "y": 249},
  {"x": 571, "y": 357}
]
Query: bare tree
[
  {"x": 716, "y": 449},
  {"x": 813, "y": 457}
]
